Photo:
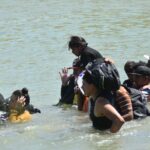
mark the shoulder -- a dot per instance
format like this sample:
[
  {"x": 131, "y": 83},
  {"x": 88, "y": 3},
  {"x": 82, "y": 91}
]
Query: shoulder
[
  {"x": 101, "y": 101},
  {"x": 89, "y": 50},
  {"x": 121, "y": 90}
]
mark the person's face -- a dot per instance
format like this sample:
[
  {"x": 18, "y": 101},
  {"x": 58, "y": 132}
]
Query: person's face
[
  {"x": 76, "y": 51},
  {"x": 139, "y": 81},
  {"x": 130, "y": 76},
  {"x": 87, "y": 88}
]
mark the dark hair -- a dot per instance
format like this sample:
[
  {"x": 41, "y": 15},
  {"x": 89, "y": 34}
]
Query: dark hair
[
  {"x": 24, "y": 91},
  {"x": 88, "y": 78},
  {"x": 129, "y": 66},
  {"x": 139, "y": 63},
  {"x": 142, "y": 70},
  {"x": 94, "y": 78},
  {"x": 26, "y": 95},
  {"x": 76, "y": 41},
  {"x": 17, "y": 93},
  {"x": 76, "y": 63}
]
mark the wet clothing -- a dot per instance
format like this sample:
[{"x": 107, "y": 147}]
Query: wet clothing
[
  {"x": 88, "y": 55},
  {"x": 139, "y": 103},
  {"x": 100, "y": 123},
  {"x": 15, "y": 118},
  {"x": 67, "y": 92}
]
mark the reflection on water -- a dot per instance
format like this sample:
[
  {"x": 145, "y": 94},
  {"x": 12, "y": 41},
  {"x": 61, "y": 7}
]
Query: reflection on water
[{"x": 33, "y": 48}]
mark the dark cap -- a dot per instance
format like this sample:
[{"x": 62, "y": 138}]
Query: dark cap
[{"x": 142, "y": 70}]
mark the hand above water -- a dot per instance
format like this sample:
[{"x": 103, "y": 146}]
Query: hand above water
[
  {"x": 18, "y": 104},
  {"x": 64, "y": 76}
]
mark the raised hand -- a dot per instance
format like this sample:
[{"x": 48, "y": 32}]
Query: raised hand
[
  {"x": 64, "y": 76},
  {"x": 17, "y": 104}
]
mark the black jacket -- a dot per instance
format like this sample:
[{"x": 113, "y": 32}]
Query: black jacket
[{"x": 88, "y": 55}]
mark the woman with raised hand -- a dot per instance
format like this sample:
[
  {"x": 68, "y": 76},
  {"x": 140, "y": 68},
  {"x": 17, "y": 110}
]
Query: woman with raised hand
[{"x": 17, "y": 111}]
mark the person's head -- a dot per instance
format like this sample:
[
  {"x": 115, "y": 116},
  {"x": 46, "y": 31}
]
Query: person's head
[
  {"x": 129, "y": 68},
  {"x": 15, "y": 103},
  {"x": 77, "y": 44},
  {"x": 18, "y": 93},
  {"x": 141, "y": 76},
  {"x": 15, "y": 95},
  {"x": 92, "y": 82},
  {"x": 89, "y": 86},
  {"x": 76, "y": 67}
]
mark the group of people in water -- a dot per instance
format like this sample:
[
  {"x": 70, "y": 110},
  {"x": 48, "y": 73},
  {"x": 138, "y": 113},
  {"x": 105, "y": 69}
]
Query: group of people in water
[
  {"x": 95, "y": 87},
  {"x": 109, "y": 103}
]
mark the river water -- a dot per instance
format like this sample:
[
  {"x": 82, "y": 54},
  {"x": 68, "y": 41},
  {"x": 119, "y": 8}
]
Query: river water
[{"x": 33, "y": 49}]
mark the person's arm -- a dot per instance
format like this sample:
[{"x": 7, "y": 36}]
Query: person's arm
[
  {"x": 103, "y": 107},
  {"x": 124, "y": 101}
]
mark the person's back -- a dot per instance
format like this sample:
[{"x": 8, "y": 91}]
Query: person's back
[{"x": 88, "y": 55}]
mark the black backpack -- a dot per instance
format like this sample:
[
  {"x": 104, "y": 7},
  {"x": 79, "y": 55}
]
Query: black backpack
[
  {"x": 139, "y": 103},
  {"x": 109, "y": 73}
]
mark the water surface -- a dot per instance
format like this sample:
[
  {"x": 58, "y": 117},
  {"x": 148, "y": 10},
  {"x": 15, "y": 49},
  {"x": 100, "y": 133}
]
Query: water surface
[{"x": 33, "y": 49}]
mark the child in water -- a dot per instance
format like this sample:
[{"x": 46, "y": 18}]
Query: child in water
[{"x": 17, "y": 111}]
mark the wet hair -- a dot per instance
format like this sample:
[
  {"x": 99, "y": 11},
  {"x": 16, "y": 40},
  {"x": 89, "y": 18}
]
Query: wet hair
[
  {"x": 142, "y": 70},
  {"x": 18, "y": 93},
  {"x": 15, "y": 95},
  {"x": 24, "y": 91},
  {"x": 76, "y": 41},
  {"x": 94, "y": 78},
  {"x": 139, "y": 63},
  {"x": 88, "y": 78},
  {"x": 129, "y": 66}
]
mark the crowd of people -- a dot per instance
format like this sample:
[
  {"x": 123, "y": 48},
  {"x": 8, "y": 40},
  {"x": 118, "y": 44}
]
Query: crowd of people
[
  {"x": 109, "y": 102},
  {"x": 95, "y": 87}
]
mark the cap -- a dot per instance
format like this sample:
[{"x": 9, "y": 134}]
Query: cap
[{"x": 142, "y": 70}]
